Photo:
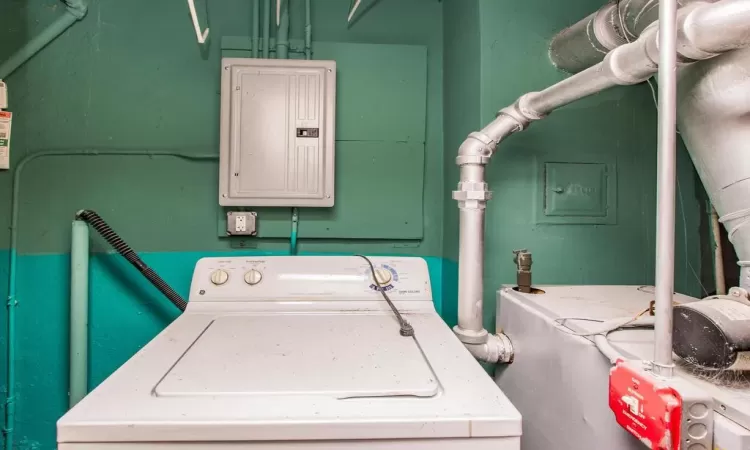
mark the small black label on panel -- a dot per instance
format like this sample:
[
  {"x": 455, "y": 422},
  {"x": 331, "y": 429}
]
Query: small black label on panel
[{"x": 307, "y": 132}]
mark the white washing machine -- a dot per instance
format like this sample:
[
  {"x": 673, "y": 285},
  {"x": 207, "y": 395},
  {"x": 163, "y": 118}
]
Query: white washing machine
[{"x": 298, "y": 353}]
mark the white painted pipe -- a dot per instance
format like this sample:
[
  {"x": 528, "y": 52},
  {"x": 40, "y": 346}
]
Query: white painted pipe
[
  {"x": 666, "y": 179},
  {"x": 628, "y": 64}
]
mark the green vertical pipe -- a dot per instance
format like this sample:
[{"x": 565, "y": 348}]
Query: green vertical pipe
[
  {"x": 76, "y": 10},
  {"x": 266, "y": 27},
  {"x": 10, "y": 398},
  {"x": 79, "y": 311},
  {"x": 282, "y": 36},
  {"x": 256, "y": 27},
  {"x": 308, "y": 31}
]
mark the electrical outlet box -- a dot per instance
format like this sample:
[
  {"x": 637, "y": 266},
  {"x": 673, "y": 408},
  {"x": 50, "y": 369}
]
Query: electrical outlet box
[
  {"x": 277, "y": 132},
  {"x": 241, "y": 223}
]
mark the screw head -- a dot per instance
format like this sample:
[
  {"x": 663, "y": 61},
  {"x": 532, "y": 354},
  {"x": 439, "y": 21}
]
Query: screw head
[{"x": 201, "y": 292}]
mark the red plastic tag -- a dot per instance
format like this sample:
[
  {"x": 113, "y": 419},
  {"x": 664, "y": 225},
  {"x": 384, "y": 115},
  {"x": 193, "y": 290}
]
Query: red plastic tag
[{"x": 648, "y": 409}]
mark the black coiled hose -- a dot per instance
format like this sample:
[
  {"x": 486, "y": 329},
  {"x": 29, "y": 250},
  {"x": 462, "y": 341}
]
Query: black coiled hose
[{"x": 101, "y": 227}]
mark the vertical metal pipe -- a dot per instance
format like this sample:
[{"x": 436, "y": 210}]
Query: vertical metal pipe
[
  {"x": 256, "y": 28},
  {"x": 308, "y": 30},
  {"x": 79, "y": 311},
  {"x": 665, "y": 189},
  {"x": 266, "y": 28},
  {"x": 282, "y": 35},
  {"x": 471, "y": 260}
]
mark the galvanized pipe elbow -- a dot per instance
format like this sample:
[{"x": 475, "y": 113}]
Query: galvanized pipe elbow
[{"x": 498, "y": 349}]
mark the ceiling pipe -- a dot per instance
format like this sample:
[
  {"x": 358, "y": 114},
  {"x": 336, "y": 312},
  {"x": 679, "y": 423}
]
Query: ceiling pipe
[
  {"x": 628, "y": 64},
  {"x": 586, "y": 42},
  {"x": 75, "y": 10}
]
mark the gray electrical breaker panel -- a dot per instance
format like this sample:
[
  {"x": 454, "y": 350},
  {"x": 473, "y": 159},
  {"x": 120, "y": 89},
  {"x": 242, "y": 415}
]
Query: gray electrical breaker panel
[{"x": 277, "y": 132}]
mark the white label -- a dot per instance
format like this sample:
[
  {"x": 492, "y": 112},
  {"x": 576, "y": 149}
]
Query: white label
[{"x": 5, "y": 122}]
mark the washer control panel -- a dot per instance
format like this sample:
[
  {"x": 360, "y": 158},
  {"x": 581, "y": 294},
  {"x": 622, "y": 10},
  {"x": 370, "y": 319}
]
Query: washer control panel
[{"x": 296, "y": 278}]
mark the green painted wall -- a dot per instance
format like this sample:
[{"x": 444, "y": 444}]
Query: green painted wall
[
  {"x": 131, "y": 76},
  {"x": 616, "y": 125}
]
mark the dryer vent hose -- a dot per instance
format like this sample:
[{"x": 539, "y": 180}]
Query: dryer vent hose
[{"x": 101, "y": 227}]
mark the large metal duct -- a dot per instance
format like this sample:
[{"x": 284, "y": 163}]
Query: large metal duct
[{"x": 714, "y": 120}]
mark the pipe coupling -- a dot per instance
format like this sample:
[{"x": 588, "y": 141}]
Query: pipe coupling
[
  {"x": 687, "y": 48},
  {"x": 626, "y": 64},
  {"x": 522, "y": 112},
  {"x": 497, "y": 350},
  {"x": 477, "y": 148},
  {"x": 472, "y": 195},
  {"x": 467, "y": 336}
]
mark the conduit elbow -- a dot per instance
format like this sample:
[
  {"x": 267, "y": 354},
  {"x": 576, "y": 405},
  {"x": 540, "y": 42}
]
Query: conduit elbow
[
  {"x": 78, "y": 8},
  {"x": 476, "y": 149}
]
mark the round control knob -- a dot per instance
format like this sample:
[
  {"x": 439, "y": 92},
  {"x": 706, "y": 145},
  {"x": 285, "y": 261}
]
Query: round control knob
[
  {"x": 253, "y": 277},
  {"x": 219, "y": 277},
  {"x": 383, "y": 276}
]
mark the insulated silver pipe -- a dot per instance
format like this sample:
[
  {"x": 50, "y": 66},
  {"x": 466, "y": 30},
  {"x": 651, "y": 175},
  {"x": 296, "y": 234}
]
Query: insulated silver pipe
[{"x": 666, "y": 177}]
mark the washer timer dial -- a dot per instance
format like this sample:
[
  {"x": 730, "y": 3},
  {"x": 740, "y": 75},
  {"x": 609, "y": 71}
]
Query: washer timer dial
[
  {"x": 383, "y": 276},
  {"x": 219, "y": 277},
  {"x": 253, "y": 277}
]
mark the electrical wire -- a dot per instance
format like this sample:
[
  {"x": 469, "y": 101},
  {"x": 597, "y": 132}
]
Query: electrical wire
[
  {"x": 610, "y": 326},
  {"x": 406, "y": 329}
]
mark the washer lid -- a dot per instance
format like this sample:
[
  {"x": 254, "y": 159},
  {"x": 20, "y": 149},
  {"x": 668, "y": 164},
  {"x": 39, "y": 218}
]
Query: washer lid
[{"x": 341, "y": 356}]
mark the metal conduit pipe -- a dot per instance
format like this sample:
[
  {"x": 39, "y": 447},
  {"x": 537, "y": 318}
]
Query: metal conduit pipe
[
  {"x": 256, "y": 28},
  {"x": 628, "y": 64},
  {"x": 75, "y": 10},
  {"x": 282, "y": 35},
  {"x": 586, "y": 42},
  {"x": 666, "y": 181},
  {"x": 266, "y": 28}
]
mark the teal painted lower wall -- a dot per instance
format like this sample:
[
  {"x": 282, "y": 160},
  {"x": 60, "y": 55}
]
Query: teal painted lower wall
[{"x": 126, "y": 313}]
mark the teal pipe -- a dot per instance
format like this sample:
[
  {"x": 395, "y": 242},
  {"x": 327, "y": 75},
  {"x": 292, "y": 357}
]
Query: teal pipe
[
  {"x": 79, "y": 312},
  {"x": 308, "y": 31},
  {"x": 282, "y": 36},
  {"x": 293, "y": 235},
  {"x": 10, "y": 400},
  {"x": 75, "y": 11},
  {"x": 256, "y": 27},
  {"x": 266, "y": 28}
]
